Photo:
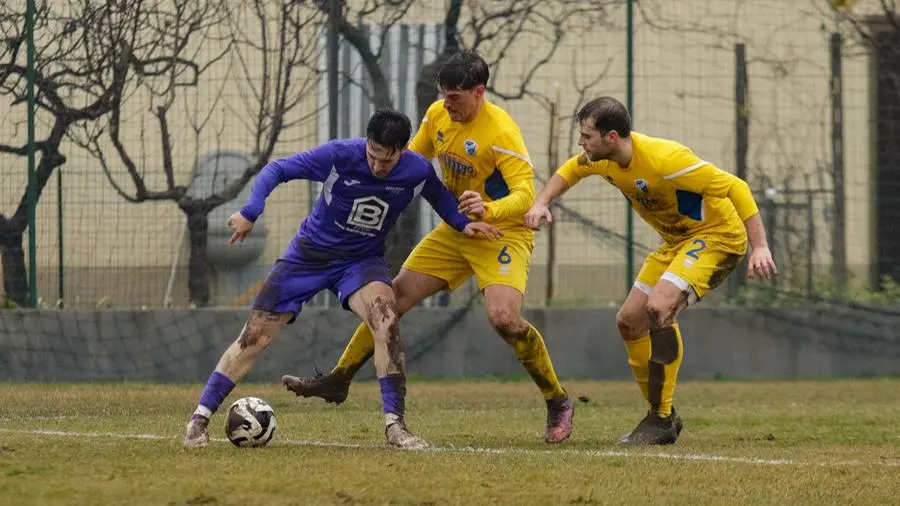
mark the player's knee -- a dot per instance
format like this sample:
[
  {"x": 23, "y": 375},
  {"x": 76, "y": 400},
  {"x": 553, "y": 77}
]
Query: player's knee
[
  {"x": 508, "y": 323},
  {"x": 382, "y": 317},
  {"x": 631, "y": 325},
  {"x": 661, "y": 311}
]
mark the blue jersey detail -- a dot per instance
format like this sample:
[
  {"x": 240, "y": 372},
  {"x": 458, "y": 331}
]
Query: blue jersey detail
[
  {"x": 495, "y": 186},
  {"x": 690, "y": 204}
]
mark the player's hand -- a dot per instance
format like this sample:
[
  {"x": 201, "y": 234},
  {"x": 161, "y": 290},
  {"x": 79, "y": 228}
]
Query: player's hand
[
  {"x": 537, "y": 215},
  {"x": 241, "y": 226},
  {"x": 761, "y": 265},
  {"x": 471, "y": 202},
  {"x": 489, "y": 232}
]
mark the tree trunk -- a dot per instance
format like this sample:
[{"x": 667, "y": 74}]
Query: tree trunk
[
  {"x": 15, "y": 273},
  {"x": 12, "y": 230},
  {"x": 199, "y": 268}
]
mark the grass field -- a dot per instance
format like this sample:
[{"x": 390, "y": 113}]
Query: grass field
[{"x": 835, "y": 442}]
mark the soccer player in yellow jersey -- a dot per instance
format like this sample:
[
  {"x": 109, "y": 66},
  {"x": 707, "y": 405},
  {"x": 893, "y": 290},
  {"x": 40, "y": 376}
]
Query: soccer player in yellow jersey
[
  {"x": 704, "y": 216},
  {"x": 485, "y": 163}
]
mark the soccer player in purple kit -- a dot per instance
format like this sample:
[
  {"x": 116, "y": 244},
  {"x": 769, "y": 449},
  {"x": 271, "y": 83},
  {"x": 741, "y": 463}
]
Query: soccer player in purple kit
[{"x": 340, "y": 246}]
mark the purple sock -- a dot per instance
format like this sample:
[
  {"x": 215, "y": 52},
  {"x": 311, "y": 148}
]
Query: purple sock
[
  {"x": 393, "y": 394},
  {"x": 217, "y": 389}
]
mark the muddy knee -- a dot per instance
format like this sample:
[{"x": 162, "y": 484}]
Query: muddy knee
[
  {"x": 508, "y": 323},
  {"x": 382, "y": 317},
  {"x": 661, "y": 312},
  {"x": 631, "y": 325}
]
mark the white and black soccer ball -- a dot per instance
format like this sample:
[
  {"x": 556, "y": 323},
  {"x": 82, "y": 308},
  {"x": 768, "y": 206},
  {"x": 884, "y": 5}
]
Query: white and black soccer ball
[{"x": 250, "y": 421}]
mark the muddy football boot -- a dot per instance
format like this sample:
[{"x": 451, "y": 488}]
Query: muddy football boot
[
  {"x": 559, "y": 420},
  {"x": 399, "y": 436},
  {"x": 325, "y": 386},
  {"x": 197, "y": 433},
  {"x": 654, "y": 430}
]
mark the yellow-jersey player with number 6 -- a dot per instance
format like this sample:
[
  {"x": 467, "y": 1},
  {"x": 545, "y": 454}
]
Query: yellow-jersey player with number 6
[
  {"x": 704, "y": 215},
  {"x": 485, "y": 164}
]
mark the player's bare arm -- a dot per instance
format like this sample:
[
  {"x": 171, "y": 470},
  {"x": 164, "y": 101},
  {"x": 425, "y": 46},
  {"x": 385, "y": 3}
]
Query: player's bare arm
[
  {"x": 540, "y": 214},
  {"x": 760, "y": 265}
]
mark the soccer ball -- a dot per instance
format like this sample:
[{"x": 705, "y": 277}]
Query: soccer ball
[{"x": 250, "y": 422}]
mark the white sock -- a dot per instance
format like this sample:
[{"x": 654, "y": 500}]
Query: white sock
[
  {"x": 203, "y": 411},
  {"x": 391, "y": 418}
]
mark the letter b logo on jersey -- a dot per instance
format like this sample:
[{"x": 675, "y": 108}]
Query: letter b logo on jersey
[{"x": 368, "y": 213}]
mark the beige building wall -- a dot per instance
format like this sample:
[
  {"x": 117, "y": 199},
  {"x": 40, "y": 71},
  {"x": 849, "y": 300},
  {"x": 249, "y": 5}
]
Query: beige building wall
[{"x": 121, "y": 254}]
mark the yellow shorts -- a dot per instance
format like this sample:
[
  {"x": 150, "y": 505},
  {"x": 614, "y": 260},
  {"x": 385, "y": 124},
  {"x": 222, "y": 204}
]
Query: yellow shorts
[
  {"x": 449, "y": 255},
  {"x": 696, "y": 265}
]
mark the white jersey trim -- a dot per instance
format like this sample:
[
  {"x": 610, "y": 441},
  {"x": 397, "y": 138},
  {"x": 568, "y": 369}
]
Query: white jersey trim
[
  {"x": 520, "y": 156},
  {"x": 684, "y": 171}
]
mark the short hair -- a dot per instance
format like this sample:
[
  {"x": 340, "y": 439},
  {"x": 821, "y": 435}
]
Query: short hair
[
  {"x": 463, "y": 71},
  {"x": 389, "y": 128},
  {"x": 606, "y": 114}
]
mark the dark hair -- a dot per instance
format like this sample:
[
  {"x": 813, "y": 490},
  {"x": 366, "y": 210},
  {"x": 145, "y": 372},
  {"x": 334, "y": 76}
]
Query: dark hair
[
  {"x": 606, "y": 114},
  {"x": 389, "y": 128},
  {"x": 463, "y": 71}
]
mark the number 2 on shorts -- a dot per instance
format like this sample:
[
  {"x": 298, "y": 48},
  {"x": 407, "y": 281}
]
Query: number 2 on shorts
[{"x": 695, "y": 252}]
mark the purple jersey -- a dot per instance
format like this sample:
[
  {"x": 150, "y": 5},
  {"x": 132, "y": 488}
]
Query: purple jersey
[{"x": 356, "y": 209}]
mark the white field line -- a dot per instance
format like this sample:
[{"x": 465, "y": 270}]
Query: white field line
[{"x": 489, "y": 451}]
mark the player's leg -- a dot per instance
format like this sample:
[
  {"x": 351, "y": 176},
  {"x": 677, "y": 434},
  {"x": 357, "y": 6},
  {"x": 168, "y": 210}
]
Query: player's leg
[
  {"x": 699, "y": 266},
  {"x": 661, "y": 425},
  {"x": 279, "y": 301},
  {"x": 695, "y": 270},
  {"x": 434, "y": 265},
  {"x": 376, "y": 305},
  {"x": 502, "y": 271},
  {"x": 410, "y": 288},
  {"x": 504, "y": 310},
  {"x": 631, "y": 319}
]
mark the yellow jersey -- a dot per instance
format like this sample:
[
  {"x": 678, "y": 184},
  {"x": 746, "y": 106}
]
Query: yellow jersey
[
  {"x": 673, "y": 190},
  {"x": 486, "y": 155}
]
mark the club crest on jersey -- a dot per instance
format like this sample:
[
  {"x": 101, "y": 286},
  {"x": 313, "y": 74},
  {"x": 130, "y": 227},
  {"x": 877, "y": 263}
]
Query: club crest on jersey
[
  {"x": 470, "y": 147},
  {"x": 641, "y": 184}
]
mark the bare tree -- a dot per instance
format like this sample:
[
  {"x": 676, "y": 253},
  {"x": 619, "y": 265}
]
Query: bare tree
[
  {"x": 491, "y": 28},
  {"x": 81, "y": 67},
  {"x": 274, "y": 71}
]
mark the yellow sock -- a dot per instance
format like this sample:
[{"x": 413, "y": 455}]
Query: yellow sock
[
  {"x": 360, "y": 349},
  {"x": 666, "y": 350},
  {"x": 532, "y": 354},
  {"x": 639, "y": 360}
]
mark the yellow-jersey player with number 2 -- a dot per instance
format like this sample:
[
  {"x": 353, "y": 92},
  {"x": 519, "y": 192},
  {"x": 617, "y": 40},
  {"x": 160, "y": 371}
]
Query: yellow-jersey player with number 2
[
  {"x": 705, "y": 217},
  {"x": 486, "y": 165}
]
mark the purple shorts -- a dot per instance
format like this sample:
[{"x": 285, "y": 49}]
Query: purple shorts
[{"x": 291, "y": 284}]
